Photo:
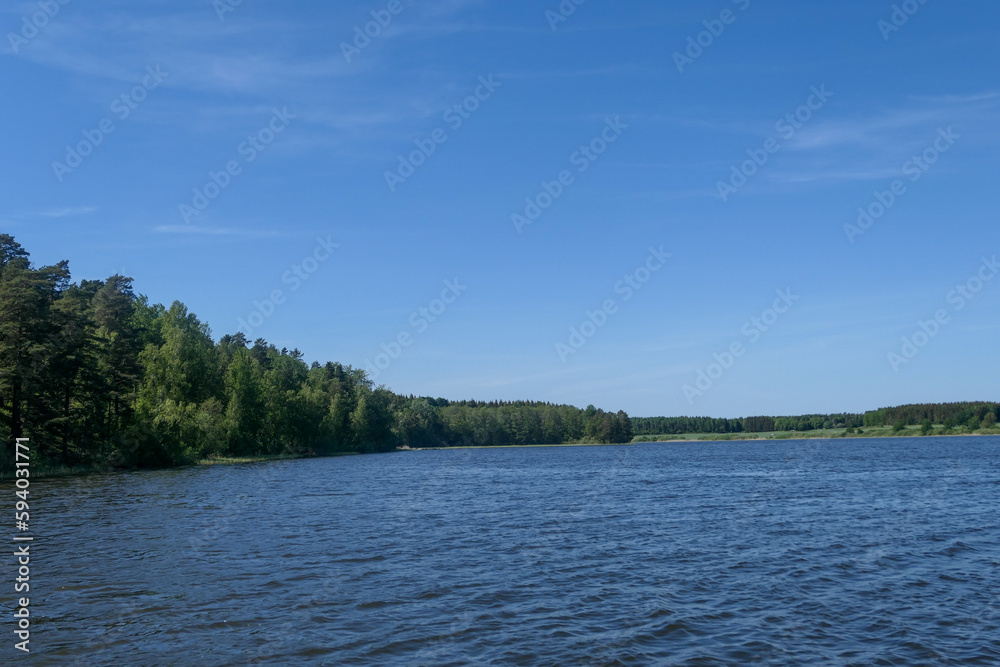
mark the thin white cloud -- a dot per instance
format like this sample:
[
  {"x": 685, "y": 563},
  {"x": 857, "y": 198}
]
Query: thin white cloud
[
  {"x": 959, "y": 99},
  {"x": 610, "y": 70},
  {"x": 67, "y": 212},
  {"x": 896, "y": 126},
  {"x": 212, "y": 231},
  {"x": 51, "y": 214},
  {"x": 819, "y": 175},
  {"x": 178, "y": 44},
  {"x": 875, "y": 131},
  {"x": 875, "y": 147}
]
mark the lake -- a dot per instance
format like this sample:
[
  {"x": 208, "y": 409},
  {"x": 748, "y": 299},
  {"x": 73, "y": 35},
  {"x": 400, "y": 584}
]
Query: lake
[{"x": 818, "y": 552}]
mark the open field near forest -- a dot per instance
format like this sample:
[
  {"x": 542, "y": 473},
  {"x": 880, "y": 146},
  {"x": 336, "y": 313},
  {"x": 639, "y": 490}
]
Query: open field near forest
[{"x": 872, "y": 432}]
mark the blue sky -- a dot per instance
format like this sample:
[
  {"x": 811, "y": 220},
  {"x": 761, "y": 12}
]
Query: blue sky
[{"x": 328, "y": 126}]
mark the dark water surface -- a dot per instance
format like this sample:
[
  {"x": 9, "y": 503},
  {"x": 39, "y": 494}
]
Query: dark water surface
[{"x": 834, "y": 552}]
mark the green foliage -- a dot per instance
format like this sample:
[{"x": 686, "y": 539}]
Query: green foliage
[
  {"x": 678, "y": 425},
  {"x": 972, "y": 416},
  {"x": 949, "y": 414},
  {"x": 98, "y": 376}
]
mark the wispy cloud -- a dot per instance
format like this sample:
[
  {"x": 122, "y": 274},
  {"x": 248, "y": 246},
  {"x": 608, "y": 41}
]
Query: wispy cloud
[
  {"x": 874, "y": 147},
  {"x": 833, "y": 175},
  {"x": 959, "y": 99},
  {"x": 610, "y": 70},
  {"x": 212, "y": 231},
  {"x": 896, "y": 126},
  {"x": 67, "y": 212},
  {"x": 875, "y": 131},
  {"x": 51, "y": 214}
]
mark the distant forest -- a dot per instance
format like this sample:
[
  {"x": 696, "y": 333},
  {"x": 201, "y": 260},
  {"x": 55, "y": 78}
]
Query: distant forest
[
  {"x": 96, "y": 375},
  {"x": 972, "y": 416}
]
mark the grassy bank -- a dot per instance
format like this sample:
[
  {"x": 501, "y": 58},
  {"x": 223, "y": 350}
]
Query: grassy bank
[
  {"x": 872, "y": 432},
  {"x": 230, "y": 460},
  {"x": 561, "y": 444},
  {"x": 43, "y": 470}
]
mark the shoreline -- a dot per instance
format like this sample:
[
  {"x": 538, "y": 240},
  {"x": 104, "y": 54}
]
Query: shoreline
[
  {"x": 84, "y": 471},
  {"x": 59, "y": 472},
  {"x": 703, "y": 440},
  {"x": 563, "y": 444}
]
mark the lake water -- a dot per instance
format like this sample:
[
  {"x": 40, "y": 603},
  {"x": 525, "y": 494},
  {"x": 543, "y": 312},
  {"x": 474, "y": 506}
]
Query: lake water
[{"x": 832, "y": 552}]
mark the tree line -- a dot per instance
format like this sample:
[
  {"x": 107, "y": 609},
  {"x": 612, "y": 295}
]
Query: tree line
[
  {"x": 97, "y": 375},
  {"x": 678, "y": 425},
  {"x": 973, "y": 415},
  {"x": 970, "y": 415}
]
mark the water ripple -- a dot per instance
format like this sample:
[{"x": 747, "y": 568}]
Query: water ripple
[{"x": 847, "y": 552}]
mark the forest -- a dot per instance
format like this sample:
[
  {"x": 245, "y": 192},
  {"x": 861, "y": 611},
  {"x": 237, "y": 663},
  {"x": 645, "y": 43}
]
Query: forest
[
  {"x": 98, "y": 376},
  {"x": 972, "y": 416}
]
